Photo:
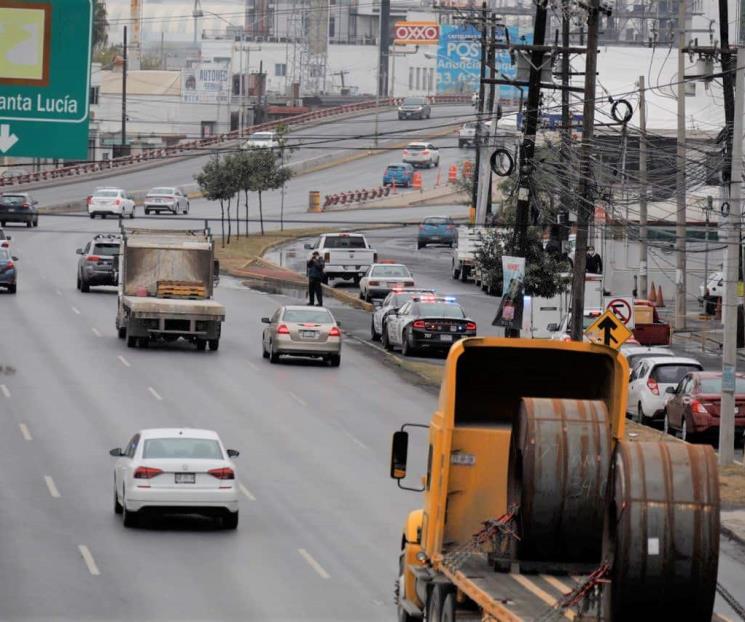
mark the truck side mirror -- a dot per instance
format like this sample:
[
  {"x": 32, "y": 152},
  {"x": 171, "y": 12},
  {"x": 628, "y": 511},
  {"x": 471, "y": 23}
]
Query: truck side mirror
[{"x": 399, "y": 454}]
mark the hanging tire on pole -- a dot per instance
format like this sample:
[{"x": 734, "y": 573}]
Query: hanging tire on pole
[
  {"x": 661, "y": 535},
  {"x": 559, "y": 461}
]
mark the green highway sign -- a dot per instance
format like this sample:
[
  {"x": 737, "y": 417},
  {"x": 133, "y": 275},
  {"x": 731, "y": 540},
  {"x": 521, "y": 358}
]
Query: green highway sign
[{"x": 45, "y": 54}]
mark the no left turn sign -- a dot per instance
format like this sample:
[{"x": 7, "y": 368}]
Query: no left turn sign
[{"x": 623, "y": 309}]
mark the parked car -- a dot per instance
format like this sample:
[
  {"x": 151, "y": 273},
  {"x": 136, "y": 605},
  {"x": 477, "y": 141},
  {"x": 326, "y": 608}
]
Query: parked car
[
  {"x": 649, "y": 382},
  {"x": 8, "y": 271},
  {"x": 262, "y": 140},
  {"x": 19, "y": 207},
  {"x": 422, "y": 154},
  {"x": 436, "y": 230},
  {"x": 636, "y": 353},
  {"x": 399, "y": 173},
  {"x": 693, "y": 409},
  {"x": 414, "y": 108},
  {"x": 427, "y": 322},
  {"x": 381, "y": 278},
  {"x": 346, "y": 255},
  {"x": 111, "y": 202},
  {"x": 4, "y": 239},
  {"x": 175, "y": 470},
  {"x": 99, "y": 262},
  {"x": 390, "y": 304},
  {"x": 166, "y": 199},
  {"x": 302, "y": 331}
]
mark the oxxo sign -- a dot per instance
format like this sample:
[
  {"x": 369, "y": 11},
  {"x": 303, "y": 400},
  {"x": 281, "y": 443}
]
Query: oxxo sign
[{"x": 416, "y": 33}]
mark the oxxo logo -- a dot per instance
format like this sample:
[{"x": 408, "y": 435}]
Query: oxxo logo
[{"x": 408, "y": 33}]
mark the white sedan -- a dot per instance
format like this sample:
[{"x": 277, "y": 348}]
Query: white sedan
[
  {"x": 111, "y": 202},
  {"x": 421, "y": 154},
  {"x": 382, "y": 278},
  {"x": 175, "y": 470}
]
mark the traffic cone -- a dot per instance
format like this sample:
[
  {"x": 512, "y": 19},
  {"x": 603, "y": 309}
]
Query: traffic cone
[
  {"x": 393, "y": 187},
  {"x": 453, "y": 174},
  {"x": 660, "y": 299},
  {"x": 416, "y": 181},
  {"x": 652, "y": 294}
]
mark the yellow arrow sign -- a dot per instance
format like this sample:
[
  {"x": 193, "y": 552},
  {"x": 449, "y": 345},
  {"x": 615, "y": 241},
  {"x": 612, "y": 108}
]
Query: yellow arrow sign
[{"x": 608, "y": 330}]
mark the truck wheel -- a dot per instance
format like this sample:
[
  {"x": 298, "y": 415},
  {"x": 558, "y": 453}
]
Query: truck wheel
[
  {"x": 121, "y": 332},
  {"x": 201, "y": 345},
  {"x": 356, "y": 279},
  {"x": 464, "y": 274},
  {"x": 448, "y": 609},
  {"x": 131, "y": 340},
  {"x": 436, "y": 602},
  {"x": 403, "y": 615},
  {"x": 214, "y": 344},
  {"x": 456, "y": 272}
]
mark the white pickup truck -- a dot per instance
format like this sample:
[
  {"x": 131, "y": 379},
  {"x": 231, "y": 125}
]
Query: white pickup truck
[
  {"x": 346, "y": 255},
  {"x": 469, "y": 239}
]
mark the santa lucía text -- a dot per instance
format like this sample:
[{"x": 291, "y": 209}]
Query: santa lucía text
[{"x": 39, "y": 104}]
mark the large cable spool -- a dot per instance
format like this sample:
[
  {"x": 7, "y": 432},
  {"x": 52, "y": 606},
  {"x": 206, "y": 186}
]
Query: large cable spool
[
  {"x": 661, "y": 536},
  {"x": 559, "y": 461}
]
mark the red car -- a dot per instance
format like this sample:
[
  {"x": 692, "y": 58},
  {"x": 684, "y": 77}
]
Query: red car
[{"x": 693, "y": 408}]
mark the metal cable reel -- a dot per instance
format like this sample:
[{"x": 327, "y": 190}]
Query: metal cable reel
[
  {"x": 559, "y": 461},
  {"x": 661, "y": 535}
]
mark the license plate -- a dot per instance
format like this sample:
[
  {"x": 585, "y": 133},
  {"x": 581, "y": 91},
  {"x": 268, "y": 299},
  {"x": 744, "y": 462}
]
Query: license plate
[
  {"x": 185, "y": 478},
  {"x": 308, "y": 334},
  {"x": 446, "y": 338},
  {"x": 395, "y": 284}
]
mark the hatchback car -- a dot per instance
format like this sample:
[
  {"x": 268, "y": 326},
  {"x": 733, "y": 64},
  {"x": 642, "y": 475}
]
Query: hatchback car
[
  {"x": 400, "y": 174},
  {"x": 425, "y": 155},
  {"x": 693, "y": 407},
  {"x": 111, "y": 202},
  {"x": 175, "y": 470},
  {"x": 414, "y": 108},
  {"x": 635, "y": 354},
  {"x": 649, "y": 382},
  {"x": 8, "y": 271},
  {"x": 436, "y": 230},
  {"x": 392, "y": 303},
  {"x": 166, "y": 199},
  {"x": 302, "y": 331},
  {"x": 381, "y": 278},
  {"x": 19, "y": 207},
  {"x": 99, "y": 262}
]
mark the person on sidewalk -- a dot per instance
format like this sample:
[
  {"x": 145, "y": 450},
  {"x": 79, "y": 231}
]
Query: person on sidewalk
[
  {"x": 594, "y": 262},
  {"x": 316, "y": 267}
]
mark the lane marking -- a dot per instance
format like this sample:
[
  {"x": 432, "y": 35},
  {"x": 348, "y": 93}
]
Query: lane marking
[
  {"x": 25, "y": 431},
  {"x": 5, "y": 391},
  {"x": 298, "y": 399},
  {"x": 52, "y": 487},
  {"x": 96, "y": 332},
  {"x": 252, "y": 366},
  {"x": 246, "y": 491},
  {"x": 76, "y": 311},
  {"x": 123, "y": 361},
  {"x": 314, "y": 564},
  {"x": 59, "y": 292},
  {"x": 88, "y": 559},
  {"x": 544, "y": 596},
  {"x": 355, "y": 440},
  {"x": 155, "y": 394}
]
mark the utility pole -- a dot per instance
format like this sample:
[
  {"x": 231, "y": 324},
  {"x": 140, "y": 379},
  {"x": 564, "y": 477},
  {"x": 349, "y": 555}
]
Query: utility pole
[
  {"x": 731, "y": 261},
  {"x": 491, "y": 104},
  {"x": 384, "y": 43},
  {"x": 483, "y": 178},
  {"x": 679, "y": 319},
  {"x": 643, "y": 233},
  {"x": 585, "y": 204},
  {"x": 479, "y": 119},
  {"x": 566, "y": 120},
  {"x": 124, "y": 91}
]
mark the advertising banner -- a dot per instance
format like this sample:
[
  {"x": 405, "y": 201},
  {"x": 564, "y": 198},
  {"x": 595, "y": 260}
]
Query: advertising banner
[
  {"x": 416, "y": 33},
  {"x": 205, "y": 83},
  {"x": 510, "y": 312}
]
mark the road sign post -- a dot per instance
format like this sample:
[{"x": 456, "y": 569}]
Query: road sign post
[{"x": 45, "y": 54}]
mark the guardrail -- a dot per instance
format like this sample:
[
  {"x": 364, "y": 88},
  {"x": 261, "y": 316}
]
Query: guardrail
[{"x": 185, "y": 148}]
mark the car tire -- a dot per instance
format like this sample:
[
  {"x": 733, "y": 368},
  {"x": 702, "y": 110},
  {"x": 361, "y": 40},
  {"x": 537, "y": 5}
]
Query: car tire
[
  {"x": 12, "y": 288},
  {"x": 385, "y": 340},
  {"x": 77, "y": 284},
  {"x": 29, "y": 224},
  {"x": 132, "y": 214},
  {"x": 2, "y": 223},
  {"x": 666, "y": 425},
  {"x": 130, "y": 519},
  {"x": 214, "y": 344},
  {"x": 264, "y": 353},
  {"x": 36, "y": 221},
  {"x": 335, "y": 360},
  {"x": 685, "y": 435},
  {"x": 640, "y": 418},
  {"x": 147, "y": 212},
  {"x": 461, "y": 144},
  {"x": 118, "y": 508},
  {"x": 406, "y": 349},
  {"x": 374, "y": 336},
  {"x": 230, "y": 520},
  {"x": 84, "y": 286},
  {"x": 201, "y": 345},
  {"x": 420, "y": 245},
  {"x": 91, "y": 215},
  {"x": 356, "y": 280},
  {"x": 188, "y": 207},
  {"x": 368, "y": 297},
  {"x": 455, "y": 273}
]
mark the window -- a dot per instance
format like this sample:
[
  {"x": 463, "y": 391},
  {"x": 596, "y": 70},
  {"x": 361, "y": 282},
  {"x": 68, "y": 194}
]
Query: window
[
  {"x": 332, "y": 26},
  {"x": 107, "y": 250},
  {"x": 436, "y": 309},
  {"x": 93, "y": 95},
  {"x": 308, "y": 315},
  {"x": 431, "y": 81},
  {"x": 418, "y": 78},
  {"x": 182, "y": 448},
  {"x": 672, "y": 373},
  {"x": 356, "y": 241},
  {"x": 132, "y": 447},
  {"x": 390, "y": 271},
  {"x": 411, "y": 78},
  {"x": 280, "y": 69}
]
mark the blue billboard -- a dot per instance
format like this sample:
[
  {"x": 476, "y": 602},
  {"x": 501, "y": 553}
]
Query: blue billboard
[{"x": 459, "y": 61}]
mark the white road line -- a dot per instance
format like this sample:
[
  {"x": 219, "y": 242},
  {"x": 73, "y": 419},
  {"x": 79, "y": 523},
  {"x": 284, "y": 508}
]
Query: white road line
[
  {"x": 356, "y": 441},
  {"x": 88, "y": 559},
  {"x": 155, "y": 394},
  {"x": 52, "y": 487},
  {"x": 25, "y": 431},
  {"x": 96, "y": 332},
  {"x": 298, "y": 399},
  {"x": 246, "y": 491},
  {"x": 252, "y": 366},
  {"x": 76, "y": 311},
  {"x": 59, "y": 292},
  {"x": 5, "y": 391},
  {"x": 123, "y": 361},
  {"x": 314, "y": 564}
]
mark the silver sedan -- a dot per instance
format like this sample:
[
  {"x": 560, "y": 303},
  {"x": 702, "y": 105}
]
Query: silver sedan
[
  {"x": 302, "y": 331},
  {"x": 166, "y": 199}
]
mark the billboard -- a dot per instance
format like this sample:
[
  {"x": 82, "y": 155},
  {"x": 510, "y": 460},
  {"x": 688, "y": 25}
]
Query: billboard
[
  {"x": 459, "y": 61},
  {"x": 205, "y": 83},
  {"x": 416, "y": 33}
]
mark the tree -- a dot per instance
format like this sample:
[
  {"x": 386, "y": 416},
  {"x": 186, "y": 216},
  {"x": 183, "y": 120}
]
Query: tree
[
  {"x": 100, "y": 33},
  {"x": 217, "y": 181},
  {"x": 243, "y": 164},
  {"x": 258, "y": 172}
]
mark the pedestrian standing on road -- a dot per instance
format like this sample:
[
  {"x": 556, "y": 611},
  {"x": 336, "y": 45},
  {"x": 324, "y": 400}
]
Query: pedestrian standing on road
[
  {"x": 594, "y": 262},
  {"x": 316, "y": 267}
]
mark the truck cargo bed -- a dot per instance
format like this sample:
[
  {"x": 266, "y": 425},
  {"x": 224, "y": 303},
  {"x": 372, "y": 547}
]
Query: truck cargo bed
[{"x": 173, "y": 306}]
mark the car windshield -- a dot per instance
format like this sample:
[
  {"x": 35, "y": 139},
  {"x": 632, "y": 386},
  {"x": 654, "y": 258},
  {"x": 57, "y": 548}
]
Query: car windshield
[
  {"x": 261, "y": 136},
  {"x": 714, "y": 385},
  {"x": 396, "y": 167},
  {"x": 345, "y": 242},
  {"x": 441, "y": 309},
  {"x": 435, "y": 221},
  {"x": 13, "y": 199},
  {"x": 182, "y": 448},
  {"x": 320, "y": 316},
  {"x": 672, "y": 373},
  {"x": 633, "y": 359},
  {"x": 390, "y": 271},
  {"x": 470, "y": 125},
  {"x": 108, "y": 250},
  {"x": 106, "y": 193},
  {"x": 163, "y": 191},
  {"x": 414, "y": 101},
  {"x": 416, "y": 147}
]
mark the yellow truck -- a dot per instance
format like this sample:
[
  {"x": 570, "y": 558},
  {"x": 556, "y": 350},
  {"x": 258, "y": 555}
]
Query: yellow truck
[{"x": 536, "y": 508}]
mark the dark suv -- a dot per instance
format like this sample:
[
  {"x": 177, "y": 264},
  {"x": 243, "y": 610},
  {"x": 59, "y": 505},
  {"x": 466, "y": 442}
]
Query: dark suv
[
  {"x": 19, "y": 207},
  {"x": 99, "y": 262}
]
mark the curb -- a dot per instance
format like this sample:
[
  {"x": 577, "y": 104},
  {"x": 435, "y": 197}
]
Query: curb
[{"x": 731, "y": 534}]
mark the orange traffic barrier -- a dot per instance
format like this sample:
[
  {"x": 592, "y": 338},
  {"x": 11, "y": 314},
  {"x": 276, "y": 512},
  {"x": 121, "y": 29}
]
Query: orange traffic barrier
[
  {"x": 652, "y": 294},
  {"x": 393, "y": 187},
  {"x": 416, "y": 180},
  {"x": 453, "y": 174},
  {"x": 467, "y": 169},
  {"x": 660, "y": 299}
]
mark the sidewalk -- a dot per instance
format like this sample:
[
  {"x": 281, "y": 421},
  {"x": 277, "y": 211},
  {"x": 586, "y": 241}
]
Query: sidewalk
[{"x": 733, "y": 525}]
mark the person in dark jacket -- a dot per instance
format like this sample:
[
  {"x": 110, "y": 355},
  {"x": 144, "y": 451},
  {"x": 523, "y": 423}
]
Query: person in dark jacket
[
  {"x": 316, "y": 267},
  {"x": 594, "y": 262}
]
